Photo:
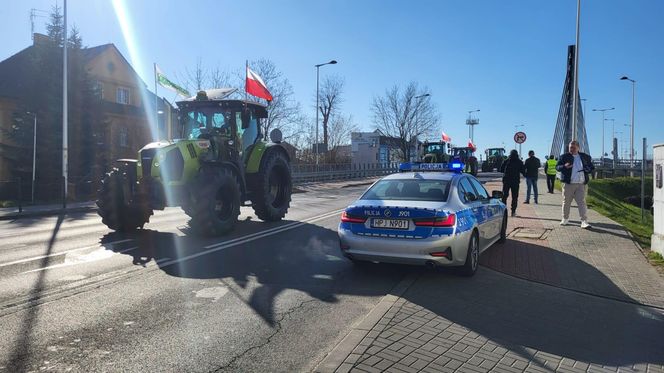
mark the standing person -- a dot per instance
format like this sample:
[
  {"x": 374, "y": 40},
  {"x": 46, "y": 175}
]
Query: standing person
[
  {"x": 550, "y": 171},
  {"x": 531, "y": 168},
  {"x": 512, "y": 169},
  {"x": 575, "y": 167}
]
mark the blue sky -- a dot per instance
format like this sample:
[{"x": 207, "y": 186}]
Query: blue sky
[{"x": 506, "y": 57}]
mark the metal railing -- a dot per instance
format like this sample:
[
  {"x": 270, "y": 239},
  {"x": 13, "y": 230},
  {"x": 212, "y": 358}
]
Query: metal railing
[{"x": 304, "y": 173}]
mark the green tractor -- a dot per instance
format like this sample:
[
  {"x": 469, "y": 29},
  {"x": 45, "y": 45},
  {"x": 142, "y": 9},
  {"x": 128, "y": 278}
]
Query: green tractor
[
  {"x": 494, "y": 159},
  {"x": 465, "y": 154},
  {"x": 218, "y": 163},
  {"x": 435, "y": 152}
]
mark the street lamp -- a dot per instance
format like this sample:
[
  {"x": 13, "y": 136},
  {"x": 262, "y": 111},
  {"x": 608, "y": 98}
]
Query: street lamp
[
  {"x": 332, "y": 62},
  {"x": 613, "y": 122},
  {"x": 472, "y": 122},
  {"x": 631, "y": 135},
  {"x": 603, "y": 120},
  {"x": 417, "y": 122},
  {"x": 516, "y": 129}
]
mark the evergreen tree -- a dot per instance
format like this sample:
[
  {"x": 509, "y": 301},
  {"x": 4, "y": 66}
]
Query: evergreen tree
[{"x": 55, "y": 27}]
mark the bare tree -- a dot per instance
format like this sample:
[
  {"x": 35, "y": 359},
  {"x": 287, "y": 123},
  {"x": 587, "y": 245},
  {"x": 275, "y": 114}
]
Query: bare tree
[
  {"x": 283, "y": 111},
  {"x": 196, "y": 79},
  {"x": 341, "y": 127},
  {"x": 399, "y": 114},
  {"x": 330, "y": 102},
  {"x": 218, "y": 78}
]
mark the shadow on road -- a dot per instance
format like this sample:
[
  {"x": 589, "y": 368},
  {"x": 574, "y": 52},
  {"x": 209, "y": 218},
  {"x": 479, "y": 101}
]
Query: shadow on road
[
  {"x": 18, "y": 358},
  {"x": 519, "y": 314},
  {"x": 306, "y": 258}
]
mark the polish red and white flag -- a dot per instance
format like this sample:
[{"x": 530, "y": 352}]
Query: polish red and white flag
[
  {"x": 255, "y": 86},
  {"x": 471, "y": 145},
  {"x": 446, "y": 138}
]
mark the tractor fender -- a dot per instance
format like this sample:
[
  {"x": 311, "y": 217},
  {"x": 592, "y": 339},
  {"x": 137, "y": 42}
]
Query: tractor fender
[{"x": 258, "y": 155}]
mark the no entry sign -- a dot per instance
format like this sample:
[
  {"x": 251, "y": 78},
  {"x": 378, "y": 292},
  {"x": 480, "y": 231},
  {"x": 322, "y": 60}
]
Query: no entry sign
[{"x": 520, "y": 137}]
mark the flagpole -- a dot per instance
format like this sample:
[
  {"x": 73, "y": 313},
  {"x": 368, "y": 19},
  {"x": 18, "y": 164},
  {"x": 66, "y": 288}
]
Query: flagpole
[
  {"x": 65, "y": 145},
  {"x": 246, "y": 75},
  {"x": 156, "y": 99}
]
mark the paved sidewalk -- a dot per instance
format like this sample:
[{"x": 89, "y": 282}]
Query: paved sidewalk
[
  {"x": 568, "y": 300},
  {"x": 10, "y": 213}
]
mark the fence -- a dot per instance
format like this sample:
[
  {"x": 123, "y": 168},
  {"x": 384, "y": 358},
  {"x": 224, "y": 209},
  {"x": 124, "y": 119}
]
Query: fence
[
  {"x": 14, "y": 192},
  {"x": 303, "y": 173}
]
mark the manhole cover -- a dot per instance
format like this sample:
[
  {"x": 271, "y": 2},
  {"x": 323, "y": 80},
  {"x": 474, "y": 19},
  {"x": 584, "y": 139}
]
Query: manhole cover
[{"x": 532, "y": 233}]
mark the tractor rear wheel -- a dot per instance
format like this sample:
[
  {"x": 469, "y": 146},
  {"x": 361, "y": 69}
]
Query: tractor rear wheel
[
  {"x": 271, "y": 193},
  {"x": 117, "y": 213},
  {"x": 215, "y": 202}
]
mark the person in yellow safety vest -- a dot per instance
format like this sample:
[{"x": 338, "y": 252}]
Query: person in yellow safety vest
[{"x": 550, "y": 171}]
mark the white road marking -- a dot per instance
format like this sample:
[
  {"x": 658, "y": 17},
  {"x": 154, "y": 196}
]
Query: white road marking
[{"x": 61, "y": 253}]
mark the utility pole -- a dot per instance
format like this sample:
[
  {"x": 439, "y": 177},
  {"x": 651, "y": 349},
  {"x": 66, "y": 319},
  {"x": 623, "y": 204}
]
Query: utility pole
[
  {"x": 576, "y": 70},
  {"x": 64, "y": 111}
]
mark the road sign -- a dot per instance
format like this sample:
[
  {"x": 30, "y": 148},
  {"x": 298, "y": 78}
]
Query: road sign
[{"x": 520, "y": 137}]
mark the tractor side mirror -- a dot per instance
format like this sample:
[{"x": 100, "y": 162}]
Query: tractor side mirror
[
  {"x": 496, "y": 194},
  {"x": 246, "y": 118}
]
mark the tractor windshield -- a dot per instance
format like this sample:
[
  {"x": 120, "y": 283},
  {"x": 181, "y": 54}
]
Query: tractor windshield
[
  {"x": 206, "y": 120},
  {"x": 435, "y": 148}
]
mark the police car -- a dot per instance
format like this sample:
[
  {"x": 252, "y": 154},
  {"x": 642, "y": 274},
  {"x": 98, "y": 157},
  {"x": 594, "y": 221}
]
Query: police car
[{"x": 428, "y": 214}]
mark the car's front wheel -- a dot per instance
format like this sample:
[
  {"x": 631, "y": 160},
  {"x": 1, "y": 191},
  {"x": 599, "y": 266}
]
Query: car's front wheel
[{"x": 472, "y": 257}]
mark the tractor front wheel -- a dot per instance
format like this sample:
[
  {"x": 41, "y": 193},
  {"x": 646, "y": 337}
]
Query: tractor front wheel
[
  {"x": 116, "y": 212},
  {"x": 271, "y": 194},
  {"x": 215, "y": 202}
]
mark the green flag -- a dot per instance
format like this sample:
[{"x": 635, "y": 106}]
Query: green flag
[{"x": 168, "y": 84}]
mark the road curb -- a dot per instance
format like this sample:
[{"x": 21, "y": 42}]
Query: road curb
[{"x": 334, "y": 361}]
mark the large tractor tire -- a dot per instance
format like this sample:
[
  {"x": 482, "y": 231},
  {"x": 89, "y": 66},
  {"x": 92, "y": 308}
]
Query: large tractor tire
[
  {"x": 215, "y": 202},
  {"x": 271, "y": 193},
  {"x": 117, "y": 213}
]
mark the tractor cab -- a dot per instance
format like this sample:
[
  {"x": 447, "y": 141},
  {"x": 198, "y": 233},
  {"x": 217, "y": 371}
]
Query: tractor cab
[{"x": 229, "y": 125}]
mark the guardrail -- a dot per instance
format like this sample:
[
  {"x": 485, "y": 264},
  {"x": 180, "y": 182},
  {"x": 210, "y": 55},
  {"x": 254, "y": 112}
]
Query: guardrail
[{"x": 303, "y": 173}]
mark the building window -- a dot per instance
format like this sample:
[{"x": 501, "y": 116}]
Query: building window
[
  {"x": 122, "y": 96},
  {"x": 99, "y": 89},
  {"x": 124, "y": 141}
]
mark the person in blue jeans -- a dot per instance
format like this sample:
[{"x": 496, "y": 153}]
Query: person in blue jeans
[{"x": 531, "y": 170}]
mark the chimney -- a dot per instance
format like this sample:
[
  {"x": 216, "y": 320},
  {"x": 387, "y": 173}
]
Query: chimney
[{"x": 40, "y": 39}]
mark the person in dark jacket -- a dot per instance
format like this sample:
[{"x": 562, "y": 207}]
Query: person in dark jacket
[
  {"x": 531, "y": 171},
  {"x": 512, "y": 170},
  {"x": 574, "y": 167}
]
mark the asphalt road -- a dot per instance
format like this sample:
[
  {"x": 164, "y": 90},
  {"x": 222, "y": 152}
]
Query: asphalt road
[{"x": 75, "y": 296}]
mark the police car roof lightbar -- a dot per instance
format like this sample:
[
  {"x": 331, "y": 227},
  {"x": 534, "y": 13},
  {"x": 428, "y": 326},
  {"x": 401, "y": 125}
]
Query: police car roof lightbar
[{"x": 454, "y": 166}]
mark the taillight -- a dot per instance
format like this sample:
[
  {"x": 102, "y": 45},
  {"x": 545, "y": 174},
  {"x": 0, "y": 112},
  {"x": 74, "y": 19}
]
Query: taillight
[
  {"x": 437, "y": 222},
  {"x": 345, "y": 218}
]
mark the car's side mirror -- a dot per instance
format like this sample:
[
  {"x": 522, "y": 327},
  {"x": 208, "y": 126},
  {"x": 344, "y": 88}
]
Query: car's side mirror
[{"x": 497, "y": 194}]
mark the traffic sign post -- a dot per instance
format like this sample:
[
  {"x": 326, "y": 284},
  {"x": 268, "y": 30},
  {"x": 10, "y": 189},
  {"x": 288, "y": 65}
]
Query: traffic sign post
[{"x": 520, "y": 138}]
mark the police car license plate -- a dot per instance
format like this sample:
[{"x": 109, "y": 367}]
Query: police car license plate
[{"x": 390, "y": 223}]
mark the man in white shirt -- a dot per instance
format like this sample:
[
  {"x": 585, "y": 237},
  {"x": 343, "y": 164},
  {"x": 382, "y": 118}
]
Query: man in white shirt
[{"x": 574, "y": 167}]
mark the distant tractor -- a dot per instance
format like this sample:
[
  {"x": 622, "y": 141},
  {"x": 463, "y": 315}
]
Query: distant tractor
[
  {"x": 218, "y": 163},
  {"x": 494, "y": 159},
  {"x": 465, "y": 154},
  {"x": 435, "y": 152}
]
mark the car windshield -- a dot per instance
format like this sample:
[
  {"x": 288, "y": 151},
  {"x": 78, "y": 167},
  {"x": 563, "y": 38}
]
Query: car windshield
[{"x": 409, "y": 190}]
